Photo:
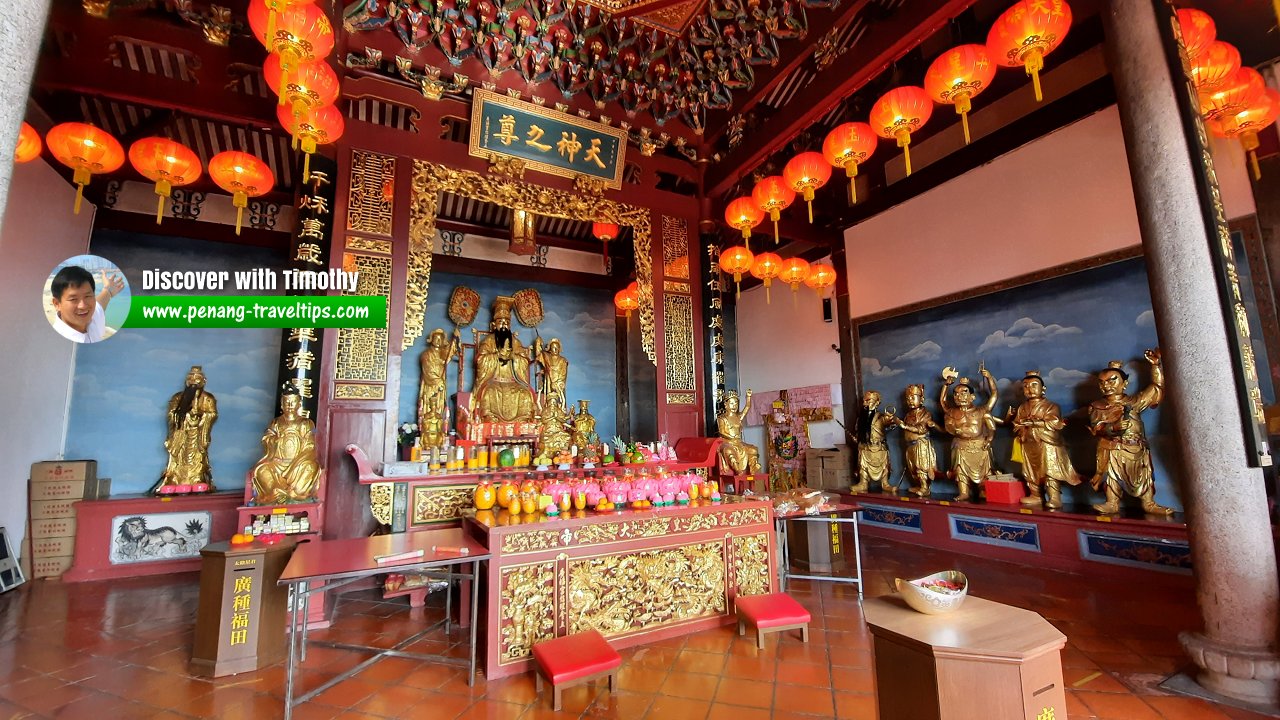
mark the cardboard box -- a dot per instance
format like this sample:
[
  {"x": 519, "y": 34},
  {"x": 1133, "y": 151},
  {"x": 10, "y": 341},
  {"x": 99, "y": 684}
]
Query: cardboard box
[
  {"x": 50, "y": 509},
  {"x": 50, "y": 567},
  {"x": 813, "y": 468},
  {"x": 53, "y": 547},
  {"x": 57, "y": 527},
  {"x": 57, "y": 490},
  {"x": 63, "y": 470}
]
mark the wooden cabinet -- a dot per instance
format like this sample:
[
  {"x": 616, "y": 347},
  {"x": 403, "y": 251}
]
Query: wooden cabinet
[{"x": 985, "y": 661}]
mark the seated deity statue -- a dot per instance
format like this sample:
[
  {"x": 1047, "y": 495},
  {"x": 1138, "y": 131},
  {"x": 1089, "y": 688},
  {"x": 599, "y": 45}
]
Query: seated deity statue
[
  {"x": 737, "y": 457},
  {"x": 289, "y": 470},
  {"x": 502, "y": 392}
]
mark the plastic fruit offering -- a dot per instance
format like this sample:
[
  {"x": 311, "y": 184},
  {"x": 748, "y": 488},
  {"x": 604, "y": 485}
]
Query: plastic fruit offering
[
  {"x": 505, "y": 492},
  {"x": 506, "y": 458},
  {"x": 241, "y": 539}
]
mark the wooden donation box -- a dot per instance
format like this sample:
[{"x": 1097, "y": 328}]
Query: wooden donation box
[
  {"x": 817, "y": 546},
  {"x": 240, "y": 624},
  {"x": 985, "y": 661}
]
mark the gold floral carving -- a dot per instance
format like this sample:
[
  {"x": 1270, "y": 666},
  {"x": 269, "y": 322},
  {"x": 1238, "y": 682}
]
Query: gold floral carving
[
  {"x": 675, "y": 247},
  {"x": 380, "y": 495},
  {"x": 359, "y": 391},
  {"x": 628, "y": 592},
  {"x": 382, "y": 247},
  {"x": 601, "y": 533},
  {"x": 369, "y": 199},
  {"x": 526, "y": 611},
  {"x": 429, "y": 180},
  {"x": 677, "y": 334},
  {"x": 751, "y": 563},
  {"x": 362, "y": 352},
  {"x": 438, "y": 504},
  {"x": 681, "y": 399},
  {"x": 530, "y": 541},
  {"x": 672, "y": 286}
]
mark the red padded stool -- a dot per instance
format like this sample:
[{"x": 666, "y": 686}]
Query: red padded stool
[
  {"x": 771, "y": 613},
  {"x": 575, "y": 660}
]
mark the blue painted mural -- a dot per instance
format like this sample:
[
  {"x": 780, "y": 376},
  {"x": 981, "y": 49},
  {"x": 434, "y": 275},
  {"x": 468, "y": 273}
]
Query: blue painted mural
[
  {"x": 121, "y": 389},
  {"x": 1066, "y": 327},
  {"x": 583, "y": 320}
]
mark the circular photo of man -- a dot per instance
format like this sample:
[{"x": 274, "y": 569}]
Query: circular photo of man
[{"x": 86, "y": 298}]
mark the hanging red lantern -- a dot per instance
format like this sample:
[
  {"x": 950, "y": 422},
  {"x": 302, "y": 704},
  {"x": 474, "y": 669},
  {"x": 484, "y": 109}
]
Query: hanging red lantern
[
  {"x": 1247, "y": 122},
  {"x": 1028, "y": 31},
  {"x": 242, "y": 175},
  {"x": 1230, "y": 97},
  {"x": 743, "y": 214},
  {"x": 85, "y": 149},
  {"x": 805, "y": 173},
  {"x": 794, "y": 271},
  {"x": 275, "y": 7},
  {"x": 627, "y": 299},
  {"x": 316, "y": 126},
  {"x": 165, "y": 163},
  {"x": 900, "y": 112},
  {"x": 766, "y": 267},
  {"x": 957, "y": 76},
  {"x": 821, "y": 277},
  {"x": 772, "y": 195},
  {"x": 1198, "y": 30},
  {"x": 604, "y": 232},
  {"x": 1214, "y": 65},
  {"x": 847, "y": 146},
  {"x": 310, "y": 85},
  {"x": 736, "y": 261},
  {"x": 29, "y": 145},
  {"x": 301, "y": 33}
]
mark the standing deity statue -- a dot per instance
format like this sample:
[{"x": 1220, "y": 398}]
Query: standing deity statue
[
  {"x": 502, "y": 392},
  {"x": 433, "y": 389},
  {"x": 1038, "y": 426},
  {"x": 971, "y": 429},
  {"x": 584, "y": 426},
  {"x": 737, "y": 457},
  {"x": 922, "y": 462},
  {"x": 1124, "y": 457},
  {"x": 289, "y": 470},
  {"x": 873, "y": 454},
  {"x": 555, "y": 372},
  {"x": 190, "y": 420},
  {"x": 554, "y": 434}
]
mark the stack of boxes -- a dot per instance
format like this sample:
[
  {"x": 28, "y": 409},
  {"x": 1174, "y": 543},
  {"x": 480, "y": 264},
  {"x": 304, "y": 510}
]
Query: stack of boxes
[
  {"x": 55, "y": 487},
  {"x": 829, "y": 468}
]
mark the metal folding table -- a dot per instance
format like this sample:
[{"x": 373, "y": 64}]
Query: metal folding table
[{"x": 784, "y": 564}]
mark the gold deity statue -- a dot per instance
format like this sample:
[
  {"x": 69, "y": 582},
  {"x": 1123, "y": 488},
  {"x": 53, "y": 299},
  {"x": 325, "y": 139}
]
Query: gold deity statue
[
  {"x": 555, "y": 372},
  {"x": 737, "y": 457},
  {"x": 502, "y": 392},
  {"x": 289, "y": 469},
  {"x": 584, "y": 425},
  {"x": 433, "y": 390},
  {"x": 971, "y": 429},
  {"x": 922, "y": 462},
  {"x": 1124, "y": 458},
  {"x": 190, "y": 419},
  {"x": 554, "y": 435},
  {"x": 873, "y": 454},
  {"x": 1038, "y": 426}
]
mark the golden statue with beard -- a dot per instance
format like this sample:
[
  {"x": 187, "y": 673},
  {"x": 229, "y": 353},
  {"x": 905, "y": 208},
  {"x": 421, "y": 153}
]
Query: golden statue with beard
[
  {"x": 971, "y": 429},
  {"x": 1124, "y": 457},
  {"x": 502, "y": 392},
  {"x": 873, "y": 454},
  {"x": 1038, "y": 426},
  {"x": 191, "y": 416},
  {"x": 289, "y": 470},
  {"x": 922, "y": 462}
]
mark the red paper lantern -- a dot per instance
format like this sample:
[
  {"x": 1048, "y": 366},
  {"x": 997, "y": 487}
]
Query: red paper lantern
[
  {"x": 766, "y": 266},
  {"x": 773, "y": 196},
  {"x": 301, "y": 33},
  {"x": 85, "y": 149},
  {"x": 900, "y": 112},
  {"x": 957, "y": 76},
  {"x": 1214, "y": 65},
  {"x": 275, "y": 7},
  {"x": 794, "y": 271},
  {"x": 1246, "y": 123},
  {"x": 1028, "y": 31},
  {"x": 310, "y": 85},
  {"x": 1197, "y": 29},
  {"x": 29, "y": 145},
  {"x": 736, "y": 261},
  {"x": 242, "y": 175},
  {"x": 821, "y": 277},
  {"x": 805, "y": 173},
  {"x": 316, "y": 126},
  {"x": 1230, "y": 97},
  {"x": 165, "y": 163},
  {"x": 743, "y": 214},
  {"x": 604, "y": 232},
  {"x": 627, "y": 299},
  {"x": 848, "y": 145}
]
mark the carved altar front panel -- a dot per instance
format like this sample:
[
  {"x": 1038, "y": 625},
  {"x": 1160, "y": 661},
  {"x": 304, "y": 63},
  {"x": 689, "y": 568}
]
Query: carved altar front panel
[
  {"x": 627, "y": 592},
  {"x": 528, "y": 610},
  {"x": 441, "y": 504}
]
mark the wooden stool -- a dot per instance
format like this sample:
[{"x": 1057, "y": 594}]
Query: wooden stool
[
  {"x": 575, "y": 660},
  {"x": 771, "y": 613}
]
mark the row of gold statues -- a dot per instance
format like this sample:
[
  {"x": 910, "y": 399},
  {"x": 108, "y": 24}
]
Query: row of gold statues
[
  {"x": 1123, "y": 454},
  {"x": 288, "y": 472}
]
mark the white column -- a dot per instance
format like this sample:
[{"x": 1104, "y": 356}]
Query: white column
[{"x": 21, "y": 30}]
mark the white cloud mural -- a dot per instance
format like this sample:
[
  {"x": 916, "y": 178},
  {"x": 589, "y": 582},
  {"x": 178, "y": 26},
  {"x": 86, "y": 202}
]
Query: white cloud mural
[
  {"x": 871, "y": 367},
  {"x": 1024, "y": 332},
  {"x": 926, "y": 351}
]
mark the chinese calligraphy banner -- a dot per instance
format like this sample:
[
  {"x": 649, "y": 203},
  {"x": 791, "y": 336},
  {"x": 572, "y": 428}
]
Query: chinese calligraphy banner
[{"x": 546, "y": 140}]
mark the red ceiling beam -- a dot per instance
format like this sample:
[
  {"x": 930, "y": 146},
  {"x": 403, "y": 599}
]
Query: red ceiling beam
[
  {"x": 884, "y": 43},
  {"x": 768, "y": 77}
]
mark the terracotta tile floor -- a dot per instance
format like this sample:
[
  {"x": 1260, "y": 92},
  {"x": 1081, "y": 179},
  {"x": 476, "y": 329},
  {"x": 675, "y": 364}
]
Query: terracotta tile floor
[{"x": 120, "y": 650}]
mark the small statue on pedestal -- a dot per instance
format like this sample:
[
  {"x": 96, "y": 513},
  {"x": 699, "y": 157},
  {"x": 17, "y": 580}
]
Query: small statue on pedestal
[
  {"x": 555, "y": 372},
  {"x": 433, "y": 390},
  {"x": 1124, "y": 458},
  {"x": 737, "y": 457},
  {"x": 191, "y": 415},
  {"x": 289, "y": 470},
  {"x": 971, "y": 429},
  {"x": 873, "y": 454},
  {"x": 1038, "y": 424},
  {"x": 584, "y": 425},
  {"x": 922, "y": 462},
  {"x": 554, "y": 431}
]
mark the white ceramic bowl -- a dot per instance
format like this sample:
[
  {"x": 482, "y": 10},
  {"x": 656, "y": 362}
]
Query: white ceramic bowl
[{"x": 933, "y": 602}]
